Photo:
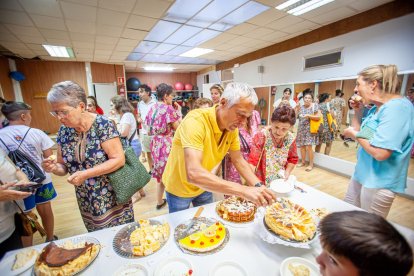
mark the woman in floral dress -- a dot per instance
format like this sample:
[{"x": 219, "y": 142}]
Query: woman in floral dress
[
  {"x": 274, "y": 149},
  {"x": 162, "y": 119},
  {"x": 246, "y": 133},
  {"x": 326, "y": 135},
  {"x": 88, "y": 149},
  {"x": 304, "y": 139},
  {"x": 338, "y": 106}
]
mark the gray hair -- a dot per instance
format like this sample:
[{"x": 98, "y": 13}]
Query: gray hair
[
  {"x": 235, "y": 91},
  {"x": 68, "y": 92}
]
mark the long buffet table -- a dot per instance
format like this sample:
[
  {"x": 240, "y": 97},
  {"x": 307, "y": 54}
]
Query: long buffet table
[{"x": 244, "y": 247}]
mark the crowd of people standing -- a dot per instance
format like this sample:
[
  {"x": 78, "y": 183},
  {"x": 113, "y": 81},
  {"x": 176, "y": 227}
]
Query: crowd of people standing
[{"x": 217, "y": 146}]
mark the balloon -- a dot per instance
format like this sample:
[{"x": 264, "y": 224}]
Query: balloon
[
  {"x": 179, "y": 86},
  {"x": 188, "y": 87},
  {"x": 16, "y": 75},
  {"x": 133, "y": 84}
]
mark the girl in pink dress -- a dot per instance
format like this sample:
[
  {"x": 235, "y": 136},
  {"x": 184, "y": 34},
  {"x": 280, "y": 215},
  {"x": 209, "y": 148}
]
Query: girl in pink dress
[{"x": 162, "y": 119}]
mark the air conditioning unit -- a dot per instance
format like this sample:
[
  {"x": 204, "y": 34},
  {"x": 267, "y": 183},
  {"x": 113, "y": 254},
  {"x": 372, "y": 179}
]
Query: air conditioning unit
[{"x": 325, "y": 59}]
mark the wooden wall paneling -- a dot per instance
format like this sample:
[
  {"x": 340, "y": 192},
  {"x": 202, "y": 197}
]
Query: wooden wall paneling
[
  {"x": 40, "y": 76},
  {"x": 329, "y": 87},
  {"x": 299, "y": 87},
  {"x": 103, "y": 73},
  {"x": 263, "y": 93},
  {"x": 153, "y": 79},
  {"x": 5, "y": 81},
  {"x": 365, "y": 19}
]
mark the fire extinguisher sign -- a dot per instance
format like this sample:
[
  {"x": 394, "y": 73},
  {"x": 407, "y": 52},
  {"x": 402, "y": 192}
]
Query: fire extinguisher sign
[{"x": 121, "y": 80}]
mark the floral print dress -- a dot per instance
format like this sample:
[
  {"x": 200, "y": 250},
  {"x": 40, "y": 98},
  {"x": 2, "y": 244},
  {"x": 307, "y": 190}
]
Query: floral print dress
[
  {"x": 96, "y": 198},
  {"x": 338, "y": 105},
  {"x": 159, "y": 120},
  {"x": 326, "y": 136},
  {"x": 304, "y": 137}
]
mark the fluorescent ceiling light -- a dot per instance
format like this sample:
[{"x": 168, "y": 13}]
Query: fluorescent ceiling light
[
  {"x": 195, "y": 52},
  {"x": 308, "y": 6},
  {"x": 159, "y": 68},
  {"x": 286, "y": 4},
  {"x": 59, "y": 51}
]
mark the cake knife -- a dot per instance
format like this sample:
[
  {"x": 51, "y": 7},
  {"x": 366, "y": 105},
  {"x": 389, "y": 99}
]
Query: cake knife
[{"x": 193, "y": 220}]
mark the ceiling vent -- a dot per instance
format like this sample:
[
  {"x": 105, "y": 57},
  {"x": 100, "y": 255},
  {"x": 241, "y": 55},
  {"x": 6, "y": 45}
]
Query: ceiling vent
[{"x": 322, "y": 60}]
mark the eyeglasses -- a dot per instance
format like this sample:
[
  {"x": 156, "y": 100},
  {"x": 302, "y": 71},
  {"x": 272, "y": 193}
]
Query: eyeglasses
[{"x": 62, "y": 113}]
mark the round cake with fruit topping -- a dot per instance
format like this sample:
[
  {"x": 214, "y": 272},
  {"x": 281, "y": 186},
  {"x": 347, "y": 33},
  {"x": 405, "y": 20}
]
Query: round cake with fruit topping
[
  {"x": 236, "y": 209},
  {"x": 290, "y": 221},
  {"x": 206, "y": 239}
]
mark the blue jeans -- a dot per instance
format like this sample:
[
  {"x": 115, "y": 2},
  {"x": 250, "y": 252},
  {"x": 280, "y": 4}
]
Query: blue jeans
[
  {"x": 176, "y": 203},
  {"x": 136, "y": 146}
]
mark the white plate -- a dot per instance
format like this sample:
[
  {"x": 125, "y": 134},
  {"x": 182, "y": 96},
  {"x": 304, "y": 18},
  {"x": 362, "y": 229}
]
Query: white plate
[
  {"x": 132, "y": 269},
  {"x": 7, "y": 264},
  {"x": 174, "y": 266},
  {"x": 280, "y": 186},
  {"x": 228, "y": 268},
  {"x": 284, "y": 270}
]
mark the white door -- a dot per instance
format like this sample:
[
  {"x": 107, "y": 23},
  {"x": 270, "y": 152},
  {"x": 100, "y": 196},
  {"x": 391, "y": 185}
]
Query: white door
[{"x": 103, "y": 94}]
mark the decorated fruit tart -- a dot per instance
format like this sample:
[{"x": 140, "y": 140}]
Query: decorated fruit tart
[
  {"x": 205, "y": 240},
  {"x": 67, "y": 259},
  {"x": 148, "y": 238},
  {"x": 236, "y": 209},
  {"x": 290, "y": 221}
]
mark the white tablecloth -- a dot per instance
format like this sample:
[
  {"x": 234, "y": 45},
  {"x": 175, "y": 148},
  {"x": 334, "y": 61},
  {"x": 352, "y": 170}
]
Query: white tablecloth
[{"x": 245, "y": 247}]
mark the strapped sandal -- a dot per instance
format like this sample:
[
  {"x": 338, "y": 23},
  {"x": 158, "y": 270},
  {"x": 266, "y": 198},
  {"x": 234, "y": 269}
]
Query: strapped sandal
[{"x": 159, "y": 206}]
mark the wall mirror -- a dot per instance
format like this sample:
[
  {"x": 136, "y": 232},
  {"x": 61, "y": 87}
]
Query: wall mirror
[{"x": 271, "y": 93}]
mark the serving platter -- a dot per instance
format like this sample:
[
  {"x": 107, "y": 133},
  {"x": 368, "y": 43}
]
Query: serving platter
[{"x": 122, "y": 245}]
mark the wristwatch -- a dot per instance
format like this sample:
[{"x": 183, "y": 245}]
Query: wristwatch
[{"x": 258, "y": 184}]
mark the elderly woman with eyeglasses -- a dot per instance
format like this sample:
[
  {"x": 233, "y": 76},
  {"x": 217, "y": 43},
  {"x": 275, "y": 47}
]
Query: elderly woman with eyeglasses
[{"x": 88, "y": 149}]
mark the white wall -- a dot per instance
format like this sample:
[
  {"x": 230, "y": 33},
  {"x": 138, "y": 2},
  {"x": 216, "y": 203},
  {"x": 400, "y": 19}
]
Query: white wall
[
  {"x": 215, "y": 77},
  {"x": 391, "y": 42}
]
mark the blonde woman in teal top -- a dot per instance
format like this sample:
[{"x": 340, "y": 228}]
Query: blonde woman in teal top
[{"x": 385, "y": 136}]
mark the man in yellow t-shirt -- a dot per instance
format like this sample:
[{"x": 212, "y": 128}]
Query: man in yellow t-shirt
[{"x": 200, "y": 143}]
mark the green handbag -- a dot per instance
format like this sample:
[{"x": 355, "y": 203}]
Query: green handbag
[{"x": 127, "y": 180}]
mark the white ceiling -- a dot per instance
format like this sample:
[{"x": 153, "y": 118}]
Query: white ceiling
[{"x": 109, "y": 30}]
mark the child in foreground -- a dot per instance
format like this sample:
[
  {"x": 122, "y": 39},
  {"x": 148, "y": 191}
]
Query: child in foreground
[{"x": 360, "y": 243}]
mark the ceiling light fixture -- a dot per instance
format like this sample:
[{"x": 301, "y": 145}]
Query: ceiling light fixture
[
  {"x": 298, "y": 7},
  {"x": 311, "y": 5},
  {"x": 195, "y": 52},
  {"x": 159, "y": 68},
  {"x": 286, "y": 4},
  {"x": 59, "y": 51}
]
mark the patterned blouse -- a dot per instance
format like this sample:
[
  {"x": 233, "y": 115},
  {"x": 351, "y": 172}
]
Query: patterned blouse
[
  {"x": 274, "y": 158},
  {"x": 96, "y": 198}
]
